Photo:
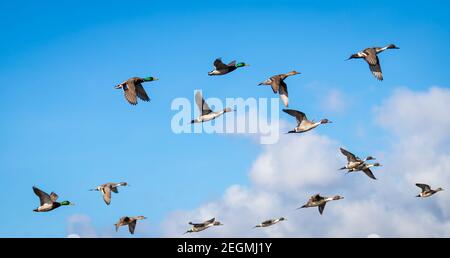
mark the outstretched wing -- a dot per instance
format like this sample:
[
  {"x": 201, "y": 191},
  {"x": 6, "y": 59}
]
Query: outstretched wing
[
  {"x": 43, "y": 196},
  {"x": 130, "y": 92},
  {"x": 132, "y": 226},
  {"x": 369, "y": 173},
  {"x": 424, "y": 187},
  {"x": 53, "y": 196},
  {"x": 107, "y": 194},
  {"x": 374, "y": 63},
  {"x": 219, "y": 64},
  {"x": 202, "y": 105},
  {"x": 321, "y": 208},
  {"x": 350, "y": 156},
  {"x": 284, "y": 93},
  {"x": 300, "y": 116},
  {"x": 141, "y": 92}
]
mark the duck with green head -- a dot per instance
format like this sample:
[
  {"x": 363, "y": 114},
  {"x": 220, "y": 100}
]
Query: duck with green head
[
  {"x": 133, "y": 89},
  {"x": 48, "y": 202},
  {"x": 222, "y": 68}
]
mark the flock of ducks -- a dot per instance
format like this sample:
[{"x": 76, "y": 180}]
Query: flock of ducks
[{"x": 133, "y": 90}]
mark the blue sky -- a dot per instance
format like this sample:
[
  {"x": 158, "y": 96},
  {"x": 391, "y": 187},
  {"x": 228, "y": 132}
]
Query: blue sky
[{"x": 65, "y": 129}]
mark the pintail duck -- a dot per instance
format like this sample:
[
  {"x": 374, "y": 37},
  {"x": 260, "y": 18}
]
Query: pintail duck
[
  {"x": 133, "y": 88},
  {"x": 106, "y": 190},
  {"x": 206, "y": 114},
  {"x": 303, "y": 124},
  {"x": 319, "y": 201},
  {"x": 371, "y": 57},
  {"x": 130, "y": 221},
  {"x": 222, "y": 68},
  {"x": 355, "y": 164},
  {"x": 279, "y": 86},
  {"x": 269, "y": 222},
  {"x": 197, "y": 227},
  {"x": 427, "y": 191},
  {"x": 48, "y": 202}
]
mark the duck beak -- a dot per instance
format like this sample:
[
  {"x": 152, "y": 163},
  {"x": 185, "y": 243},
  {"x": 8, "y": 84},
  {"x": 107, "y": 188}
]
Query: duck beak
[
  {"x": 72, "y": 204},
  {"x": 155, "y": 79},
  {"x": 117, "y": 87},
  {"x": 246, "y": 65}
]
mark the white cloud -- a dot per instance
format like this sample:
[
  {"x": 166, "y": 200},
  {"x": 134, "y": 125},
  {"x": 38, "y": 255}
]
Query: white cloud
[
  {"x": 287, "y": 173},
  {"x": 80, "y": 225}
]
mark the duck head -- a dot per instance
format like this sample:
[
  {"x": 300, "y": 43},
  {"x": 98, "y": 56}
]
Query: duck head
[
  {"x": 226, "y": 110},
  {"x": 188, "y": 232},
  {"x": 392, "y": 46},
  {"x": 241, "y": 64},
  {"x": 377, "y": 165},
  {"x": 337, "y": 197},
  {"x": 282, "y": 219},
  {"x": 354, "y": 56},
  {"x": 217, "y": 223},
  {"x": 439, "y": 189},
  {"x": 149, "y": 79},
  {"x": 325, "y": 121},
  {"x": 66, "y": 203}
]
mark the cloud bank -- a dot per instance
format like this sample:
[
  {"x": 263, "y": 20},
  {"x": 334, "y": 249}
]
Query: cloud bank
[{"x": 287, "y": 173}]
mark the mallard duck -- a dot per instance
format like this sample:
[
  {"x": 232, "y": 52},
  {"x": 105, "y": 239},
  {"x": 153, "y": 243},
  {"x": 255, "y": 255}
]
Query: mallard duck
[
  {"x": 222, "y": 68},
  {"x": 133, "y": 88},
  {"x": 303, "y": 124},
  {"x": 427, "y": 191},
  {"x": 106, "y": 190},
  {"x": 279, "y": 86},
  {"x": 371, "y": 57},
  {"x": 130, "y": 221},
  {"x": 269, "y": 222},
  {"x": 206, "y": 114},
  {"x": 319, "y": 201},
  {"x": 197, "y": 227},
  {"x": 48, "y": 202}
]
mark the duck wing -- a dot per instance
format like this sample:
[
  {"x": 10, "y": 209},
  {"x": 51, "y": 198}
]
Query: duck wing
[
  {"x": 300, "y": 116},
  {"x": 219, "y": 64},
  {"x": 107, "y": 194},
  {"x": 201, "y": 104},
  {"x": 374, "y": 63},
  {"x": 369, "y": 173},
  {"x": 232, "y": 63},
  {"x": 43, "y": 196},
  {"x": 424, "y": 187},
  {"x": 350, "y": 156},
  {"x": 321, "y": 208},
  {"x": 53, "y": 196},
  {"x": 130, "y": 92},
  {"x": 132, "y": 226},
  {"x": 275, "y": 82},
  {"x": 140, "y": 91},
  {"x": 284, "y": 93}
]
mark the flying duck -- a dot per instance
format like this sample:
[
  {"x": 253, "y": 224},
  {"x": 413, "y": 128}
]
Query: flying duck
[
  {"x": 427, "y": 191},
  {"x": 197, "y": 227},
  {"x": 303, "y": 124},
  {"x": 355, "y": 164},
  {"x": 48, "y": 202},
  {"x": 319, "y": 201},
  {"x": 130, "y": 221},
  {"x": 206, "y": 114},
  {"x": 133, "y": 89},
  {"x": 222, "y": 68},
  {"x": 106, "y": 190},
  {"x": 269, "y": 222},
  {"x": 371, "y": 57},
  {"x": 279, "y": 86}
]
